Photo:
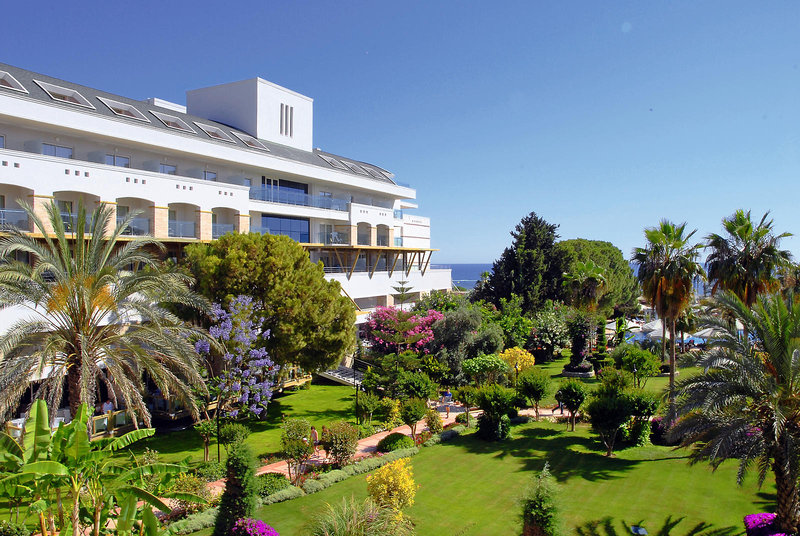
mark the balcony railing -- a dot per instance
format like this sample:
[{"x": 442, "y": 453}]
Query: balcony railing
[
  {"x": 295, "y": 198},
  {"x": 398, "y": 242},
  {"x": 70, "y": 220},
  {"x": 181, "y": 229},
  {"x": 13, "y": 218},
  {"x": 219, "y": 229},
  {"x": 383, "y": 241},
  {"x": 334, "y": 237},
  {"x": 136, "y": 226}
]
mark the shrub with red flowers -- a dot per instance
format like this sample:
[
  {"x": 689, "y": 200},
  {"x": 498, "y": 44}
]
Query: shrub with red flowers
[
  {"x": 253, "y": 527},
  {"x": 761, "y": 525},
  {"x": 391, "y": 330}
]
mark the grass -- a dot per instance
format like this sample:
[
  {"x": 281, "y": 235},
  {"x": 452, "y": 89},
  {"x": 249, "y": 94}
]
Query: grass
[
  {"x": 321, "y": 404},
  {"x": 470, "y": 487}
]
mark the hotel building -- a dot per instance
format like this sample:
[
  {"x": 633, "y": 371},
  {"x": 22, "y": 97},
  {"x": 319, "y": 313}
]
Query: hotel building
[{"x": 238, "y": 157}]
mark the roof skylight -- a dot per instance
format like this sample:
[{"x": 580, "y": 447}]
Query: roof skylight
[
  {"x": 172, "y": 122},
  {"x": 333, "y": 162},
  {"x": 250, "y": 141},
  {"x": 64, "y": 94},
  {"x": 214, "y": 132},
  {"x": 355, "y": 169},
  {"x": 123, "y": 110},
  {"x": 9, "y": 82},
  {"x": 375, "y": 173}
]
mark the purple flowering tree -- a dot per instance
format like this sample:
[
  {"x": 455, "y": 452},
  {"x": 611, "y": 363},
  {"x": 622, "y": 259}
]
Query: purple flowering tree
[{"x": 247, "y": 374}]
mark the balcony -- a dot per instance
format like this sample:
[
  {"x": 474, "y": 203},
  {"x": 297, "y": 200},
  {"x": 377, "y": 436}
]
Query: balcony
[
  {"x": 363, "y": 239},
  {"x": 292, "y": 198},
  {"x": 14, "y": 219},
  {"x": 219, "y": 229},
  {"x": 398, "y": 242},
  {"x": 333, "y": 238},
  {"x": 181, "y": 229},
  {"x": 70, "y": 220},
  {"x": 383, "y": 241},
  {"x": 136, "y": 226}
]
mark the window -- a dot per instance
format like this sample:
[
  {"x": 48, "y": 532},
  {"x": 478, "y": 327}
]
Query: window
[
  {"x": 172, "y": 122},
  {"x": 168, "y": 169},
  {"x": 123, "y": 110},
  {"x": 287, "y": 120},
  {"x": 214, "y": 132},
  {"x": 119, "y": 161},
  {"x": 333, "y": 162},
  {"x": 2, "y": 142},
  {"x": 294, "y": 228},
  {"x": 56, "y": 150},
  {"x": 355, "y": 169},
  {"x": 376, "y": 174},
  {"x": 210, "y": 175},
  {"x": 250, "y": 141},
  {"x": 7, "y": 81},
  {"x": 248, "y": 182},
  {"x": 64, "y": 94}
]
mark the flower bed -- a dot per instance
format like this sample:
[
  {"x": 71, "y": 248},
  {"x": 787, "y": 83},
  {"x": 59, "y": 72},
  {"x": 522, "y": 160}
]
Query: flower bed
[{"x": 761, "y": 525}]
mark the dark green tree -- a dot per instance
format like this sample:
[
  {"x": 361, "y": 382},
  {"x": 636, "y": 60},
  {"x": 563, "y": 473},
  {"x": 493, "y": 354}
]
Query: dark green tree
[
  {"x": 402, "y": 293},
  {"x": 412, "y": 411},
  {"x": 571, "y": 395},
  {"x": 532, "y": 266},
  {"x": 310, "y": 322},
  {"x": 239, "y": 498},
  {"x": 535, "y": 385}
]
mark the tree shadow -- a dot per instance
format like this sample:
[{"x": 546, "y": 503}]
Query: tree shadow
[
  {"x": 767, "y": 501},
  {"x": 608, "y": 526}
]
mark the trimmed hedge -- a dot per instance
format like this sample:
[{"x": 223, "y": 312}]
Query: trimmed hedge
[{"x": 395, "y": 441}]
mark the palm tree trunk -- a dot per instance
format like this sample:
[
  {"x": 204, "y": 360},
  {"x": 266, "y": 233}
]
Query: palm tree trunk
[
  {"x": 787, "y": 498},
  {"x": 672, "y": 372},
  {"x": 73, "y": 385},
  {"x": 663, "y": 339}
]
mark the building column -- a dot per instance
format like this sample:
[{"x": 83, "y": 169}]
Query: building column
[
  {"x": 112, "y": 222},
  {"x": 159, "y": 216},
  {"x": 203, "y": 229},
  {"x": 39, "y": 204},
  {"x": 353, "y": 235},
  {"x": 243, "y": 223},
  {"x": 373, "y": 235},
  {"x": 391, "y": 236}
]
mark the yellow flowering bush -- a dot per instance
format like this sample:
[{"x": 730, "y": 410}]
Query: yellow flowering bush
[
  {"x": 392, "y": 486},
  {"x": 517, "y": 358}
]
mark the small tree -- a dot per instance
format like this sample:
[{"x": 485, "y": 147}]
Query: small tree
[
  {"x": 518, "y": 360},
  {"x": 496, "y": 403},
  {"x": 415, "y": 385},
  {"x": 468, "y": 395},
  {"x": 434, "y": 421},
  {"x": 534, "y": 384},
  {"x": 484, "y": 368},
  {"x": 403, "y": 292},
  {"x": 368, "y": 403},
  {"x": 297, "y": 447},
  {"x": 207, "y": 430},
  {"x": 412, "y": 411},
  {"x": 392, "y": 486},
  {"x": 571, "y": 395},
  {"x": 540, "y": 507},
  {"x": 239, "y": 498},
  {"x": 233, "y": 433},
  {"x": 607, "y": 415},
  {"x": 643, "y": 364},
  {"x": 341, "y": 442}
]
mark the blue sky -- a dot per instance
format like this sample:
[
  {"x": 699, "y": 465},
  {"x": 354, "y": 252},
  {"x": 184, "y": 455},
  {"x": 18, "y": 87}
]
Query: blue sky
[{"x": 602, "y": 117}]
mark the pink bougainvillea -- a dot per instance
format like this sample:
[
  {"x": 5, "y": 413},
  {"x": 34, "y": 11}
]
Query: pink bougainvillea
[
  {"x": 391, "y": 330},
  {"x": 761, "y": 525}
]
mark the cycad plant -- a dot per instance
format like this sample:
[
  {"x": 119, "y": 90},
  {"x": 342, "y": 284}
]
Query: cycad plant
[
  {"x": 746, "y": 405},
  {"x": 96, "y": 312}
]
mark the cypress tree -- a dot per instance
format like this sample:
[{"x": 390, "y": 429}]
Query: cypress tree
[{"x": 239, "y": 498}]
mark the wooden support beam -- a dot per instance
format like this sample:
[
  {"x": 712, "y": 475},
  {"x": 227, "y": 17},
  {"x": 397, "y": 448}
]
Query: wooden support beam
[
  {"x": 427, "y": 262},
  {"x": 410, "y": 264},
  {"x": 355, "y": 261},
  {"x": 396, "y": 258},
  {"x": 375, "y": 266}
]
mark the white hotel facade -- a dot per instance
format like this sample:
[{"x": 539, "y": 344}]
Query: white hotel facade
[{"x": 238, "y": 157}]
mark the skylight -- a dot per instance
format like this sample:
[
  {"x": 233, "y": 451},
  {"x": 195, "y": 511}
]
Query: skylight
[
  {"x": 355, "y": 169},
  {"x": 65, "y": 94},
  {"x": 214, "y": 132},
  {"x": 250, "y": 141},
  {"x": 333, "y": 162},
  {"x": 172, "y": 122},
  {"x": 9, "y": 82},
  {"x": 375, "y": 173},
  {"x": 123, "y": 110}
]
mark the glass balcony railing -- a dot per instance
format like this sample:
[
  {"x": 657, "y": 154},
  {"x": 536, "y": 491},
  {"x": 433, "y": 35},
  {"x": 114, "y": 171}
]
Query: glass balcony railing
[
  {"x": 136, "y": 226},
  {"x": 334, "y": 237},
  {"x": 181, "y": 229},
  {"x": 398, "y": 242},
  {"x": 296, "y": 198},
  {"x": 13, "y": 218},
  {"x": 219, "y": 229},
  {"x": 70, "y": 220}
]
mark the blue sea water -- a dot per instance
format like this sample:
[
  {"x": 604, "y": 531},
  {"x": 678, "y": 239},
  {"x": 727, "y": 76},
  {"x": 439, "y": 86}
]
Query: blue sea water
[{"x": 465, "y": 275}]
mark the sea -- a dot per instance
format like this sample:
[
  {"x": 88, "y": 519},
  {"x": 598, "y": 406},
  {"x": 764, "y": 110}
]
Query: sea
[{"x": 465, "y": 275}]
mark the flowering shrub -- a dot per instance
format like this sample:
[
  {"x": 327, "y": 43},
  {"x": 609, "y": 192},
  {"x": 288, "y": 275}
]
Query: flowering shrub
[
  {"x": 391, "y": 330},
  {"x": 253, "y": 527},
  {"x": 248, "y": 374},
  {"x": 549, "y": 333},
  {"x": 517, "y": 358},
  {"x": 761, "y": 525},
  {"x": 392, "y": 486}
]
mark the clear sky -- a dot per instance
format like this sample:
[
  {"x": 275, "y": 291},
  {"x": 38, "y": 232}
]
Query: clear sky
[{"x": 602, "y": 117}]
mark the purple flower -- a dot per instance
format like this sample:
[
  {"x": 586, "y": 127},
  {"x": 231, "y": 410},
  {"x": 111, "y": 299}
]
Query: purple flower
[{"x": 253, "y": 527}]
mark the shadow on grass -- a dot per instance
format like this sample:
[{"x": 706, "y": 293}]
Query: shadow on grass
[
  {"x": 608, "y": 526},
  {"x": 766, "y": 501}
]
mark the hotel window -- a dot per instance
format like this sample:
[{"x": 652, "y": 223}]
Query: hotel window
[
  {"x": 287, "y": 120},
  {"x": 295, "y": 228},
  {"x": 56, "y": 150},
  {"x": 9, "y": 82},
  {"x": 210, "y": 175},
  {"x": 123, "y": 110},
  {"x": 64, "y": 94},
  {"x": 172, "y": 122},
  {"x": 119, "y": 161},
  {"x": 168, "y": 169}
]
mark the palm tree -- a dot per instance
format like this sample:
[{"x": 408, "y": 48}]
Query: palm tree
[
  {"x": 746, "y": 405},
  {"x": 746, "y": 261},
  {"x": 96, "y": 314},
  {"x": 667, "y": 269},
  {"x": 584, "y": 284}
]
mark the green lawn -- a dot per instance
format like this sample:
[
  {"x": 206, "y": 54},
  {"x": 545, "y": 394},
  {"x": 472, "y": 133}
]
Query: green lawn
[
  {"x": 320, "y": 404},
  {"x": 470, "y": 487}
]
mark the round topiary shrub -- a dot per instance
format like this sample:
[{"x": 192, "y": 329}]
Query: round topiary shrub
[
  {"x": 270, "y": 483},
  {"x": 395, "y": 441},
  {"x": 461, "y": 418}
]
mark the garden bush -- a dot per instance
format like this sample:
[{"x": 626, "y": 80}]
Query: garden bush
[
  {"x": 392, "y": 486},
  {"x": 535, "y": 385},
  {"x": 366, "y": 430},
  {"x": 608, "y": 413},
  {"x": 412, "y": 411},
  {"x": 416, "y": 385},
  {"x": 194, "y": 484},
  {"x": 434, "y": 421},
  {"x": 193, "y": 523},
  {"x": 497, "y": 403},
  {"x": 493, "y": 428},
  {"x": 8, "y": 528},
  {"x": 389, "y": 410},
  {"x": 253, "y": 527},
  {"x": 297, "y": 447},
  {"x": 461, "y": 418},
  {"x": 395, "y": 441},
  {"x": 210, "y": 471},
  {"x": 571, "y": 394},
  {"x": 340, "y": 442},
  {"x": 239, "y": 498},
  {"x": 359, "y": 518},
  {"x": 539, "y": 507},
  {"x": 368, "y": 404},
  {"x": 269, "y": 483},
  {"x": 233, "y": 433},
  {"x": 292, "y": 492}
]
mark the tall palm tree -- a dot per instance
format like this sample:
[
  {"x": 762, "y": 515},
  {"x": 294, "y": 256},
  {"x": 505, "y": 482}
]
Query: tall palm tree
[
  {"x": 746, "y": 405},
  {"x": 747, "y": 259},
  {"x": 584, "y": 284},
  {"x": 667, "y": 269},
  {"x": 96, "y": 313}
]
